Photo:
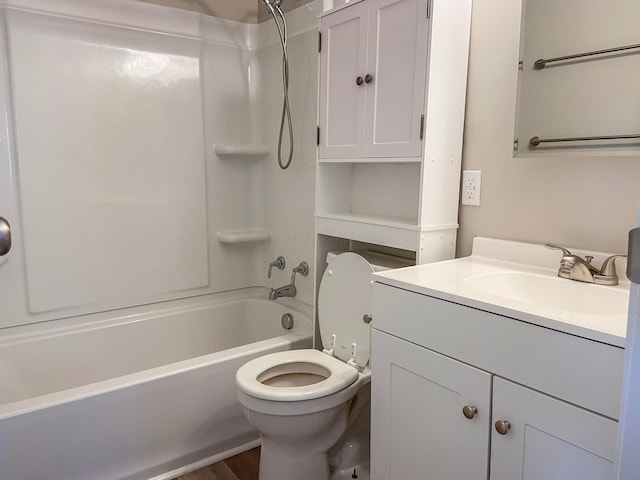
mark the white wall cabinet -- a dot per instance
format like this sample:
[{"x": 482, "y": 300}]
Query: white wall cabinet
[
  {"x": 373, "y": 80},
  {"x": 431, "y": 358},
  {"x": 391, "y": 116}
]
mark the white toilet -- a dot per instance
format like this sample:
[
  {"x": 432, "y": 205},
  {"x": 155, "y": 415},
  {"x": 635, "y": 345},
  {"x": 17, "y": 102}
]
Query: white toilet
[{"x": 301, "y": 401}]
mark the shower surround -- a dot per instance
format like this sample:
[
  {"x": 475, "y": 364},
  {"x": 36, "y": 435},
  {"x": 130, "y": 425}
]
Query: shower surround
[{"x": 119, "y": 203}]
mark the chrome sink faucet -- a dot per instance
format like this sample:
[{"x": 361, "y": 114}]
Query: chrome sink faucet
[
  {"x": 580, "y": 269},
  {"x": 290, "y": 290}
]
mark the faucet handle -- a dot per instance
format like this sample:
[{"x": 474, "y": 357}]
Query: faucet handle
[
  {"x": 302, "y": 269},
  {"x": 609, "y": 265},
  {"x": 551, "y": 246},
  {"x": 279, "y": 263}
]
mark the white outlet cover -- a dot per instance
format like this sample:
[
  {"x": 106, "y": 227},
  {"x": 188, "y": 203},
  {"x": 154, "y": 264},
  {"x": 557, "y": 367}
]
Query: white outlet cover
[{"x": 471, "y": 183}]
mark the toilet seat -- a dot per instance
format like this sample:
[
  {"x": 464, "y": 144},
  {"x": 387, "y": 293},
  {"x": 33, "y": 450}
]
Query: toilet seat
[
  {"x": 339, "y": 375},
  {"x": 344, "y": 298}
]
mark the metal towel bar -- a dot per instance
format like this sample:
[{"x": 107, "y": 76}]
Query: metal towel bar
[
  {"x": 542, "y": 62},
  {"x": 535, "y": 141}
]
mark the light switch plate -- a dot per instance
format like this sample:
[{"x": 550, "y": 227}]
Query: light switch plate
[{"x": 471, "y": 183}]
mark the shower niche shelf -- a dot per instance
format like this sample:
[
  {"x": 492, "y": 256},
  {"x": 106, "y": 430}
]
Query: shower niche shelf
[
  {"x": 241, "y": 151},
  {"x": 245, "y": 235}
]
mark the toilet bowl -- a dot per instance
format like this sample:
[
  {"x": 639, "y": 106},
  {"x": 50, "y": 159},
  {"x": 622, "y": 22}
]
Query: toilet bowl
[{"x": 301, "y": 400}]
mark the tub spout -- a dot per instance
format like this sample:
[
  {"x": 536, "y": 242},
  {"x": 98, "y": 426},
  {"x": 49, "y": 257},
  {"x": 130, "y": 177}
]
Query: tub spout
[{"x": 285, "y": 291}]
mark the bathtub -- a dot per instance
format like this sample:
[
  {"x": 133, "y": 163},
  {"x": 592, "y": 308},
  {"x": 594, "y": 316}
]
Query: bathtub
[{"x": 144, "y": 395}]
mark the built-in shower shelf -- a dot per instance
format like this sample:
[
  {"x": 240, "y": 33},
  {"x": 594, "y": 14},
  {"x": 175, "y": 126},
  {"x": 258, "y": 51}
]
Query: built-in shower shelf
[
  {"x": 241, "y": 151},
  {"x": 246, "y": 235}
]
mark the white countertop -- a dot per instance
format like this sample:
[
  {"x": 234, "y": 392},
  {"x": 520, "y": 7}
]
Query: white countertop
[{"x": 530, "y": 292}]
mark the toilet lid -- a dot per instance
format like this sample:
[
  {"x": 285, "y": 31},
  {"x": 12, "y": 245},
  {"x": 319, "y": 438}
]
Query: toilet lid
[{"x": 343, "y": 299}]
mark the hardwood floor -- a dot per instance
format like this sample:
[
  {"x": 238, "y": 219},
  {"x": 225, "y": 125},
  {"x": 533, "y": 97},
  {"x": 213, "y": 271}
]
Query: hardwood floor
[{"x": 240, "y": 467}]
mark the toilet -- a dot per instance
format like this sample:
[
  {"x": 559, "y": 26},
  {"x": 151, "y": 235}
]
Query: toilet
[{"x": 303, "y": 401}]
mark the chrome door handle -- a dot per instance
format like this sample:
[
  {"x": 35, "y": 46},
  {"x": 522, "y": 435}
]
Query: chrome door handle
[{"x": 5, "y": 237}]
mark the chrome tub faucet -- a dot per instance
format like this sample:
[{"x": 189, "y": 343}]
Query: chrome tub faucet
[{"x": 290, "y": 290}]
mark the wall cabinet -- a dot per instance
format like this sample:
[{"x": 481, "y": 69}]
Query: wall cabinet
[
  {"x": 391, "y": 115},
  {"x": 433, "y": 360},
  {"x": 373, "y": 80}
]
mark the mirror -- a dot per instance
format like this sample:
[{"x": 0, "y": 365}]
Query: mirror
[{"x": 586, "y": 82}]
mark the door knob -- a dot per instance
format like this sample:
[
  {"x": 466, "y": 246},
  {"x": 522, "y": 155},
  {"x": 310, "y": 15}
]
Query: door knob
[
  {"x": 502, "y": 427},
  {"x": 358, "y": 80},
  {"x": 469, "y": 411},
  {"x": 5, "y": 236}
]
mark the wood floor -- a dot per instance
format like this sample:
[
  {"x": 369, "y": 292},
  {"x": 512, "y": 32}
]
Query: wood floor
[{"x": 241, "y": 467}]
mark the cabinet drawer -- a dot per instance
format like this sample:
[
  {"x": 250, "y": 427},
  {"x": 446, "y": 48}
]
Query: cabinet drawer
[{"x": 577, "y": 370}]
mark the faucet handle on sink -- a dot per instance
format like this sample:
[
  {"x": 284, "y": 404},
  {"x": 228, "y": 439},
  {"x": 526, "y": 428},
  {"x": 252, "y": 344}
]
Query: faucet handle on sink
[
  {"x": 551, "y": 246},
  {"x": 608, "y": 274}
]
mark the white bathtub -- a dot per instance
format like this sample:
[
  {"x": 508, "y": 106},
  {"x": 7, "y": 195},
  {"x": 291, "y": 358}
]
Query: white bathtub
[{"x": 144, "y": 395}]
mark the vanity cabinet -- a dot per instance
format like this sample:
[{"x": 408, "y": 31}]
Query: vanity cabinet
[
  {"x": 545, "y": 401},
  {"x": 418, "y": 426},
  {"x": 392, "y": 88},
  {"x": 373, "y": 76},
  {"x": 548, "y": 438}
]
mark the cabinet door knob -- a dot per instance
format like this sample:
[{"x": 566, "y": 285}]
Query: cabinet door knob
[
  {"x": 367, "y": 78},
  {"x": 502, "y": 427},
  {"x": 469, "y": 411},
  {"x": 358, "y": 80},
  {"x": 366, "y": 318}
]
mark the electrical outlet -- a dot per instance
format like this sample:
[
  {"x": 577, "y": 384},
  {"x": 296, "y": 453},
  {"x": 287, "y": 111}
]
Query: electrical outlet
[{"x": 471, "y": 182}]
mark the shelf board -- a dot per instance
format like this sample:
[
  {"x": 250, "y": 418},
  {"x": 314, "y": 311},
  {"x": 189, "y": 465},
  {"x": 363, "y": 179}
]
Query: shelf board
[
  {"x": 372, "y": 160},
  {"x": 246, "y": 151},
  {"x": 246, "y": 235},
  {"x": 395, "y": 232}
]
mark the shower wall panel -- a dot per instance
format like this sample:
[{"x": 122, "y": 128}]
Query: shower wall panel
[{"x": 110, "y": 150}]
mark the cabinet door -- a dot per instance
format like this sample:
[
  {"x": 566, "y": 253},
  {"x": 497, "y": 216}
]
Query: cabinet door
[
  {"x": 418, "y": 430},
  {"x": 397, "y": 62},
  {"x": 342, "y": 60},
  {"x": 548, "y": 439}
]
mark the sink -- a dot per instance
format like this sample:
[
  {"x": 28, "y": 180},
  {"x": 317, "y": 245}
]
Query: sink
[
  {"x": 551, "y": 292},
  {"x": 519, "y": 281}
]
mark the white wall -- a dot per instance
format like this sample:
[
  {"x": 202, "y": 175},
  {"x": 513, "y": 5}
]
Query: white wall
[{"x": 588, "y": 202}]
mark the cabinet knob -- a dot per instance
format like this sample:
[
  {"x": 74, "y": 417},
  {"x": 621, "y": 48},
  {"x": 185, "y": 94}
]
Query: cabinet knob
[
  {"x": 469, "y": 411},
  {"x": 358, "y": 80},
  {"x": 367, "y": 78},
  {"x": 502, "y": 427},
  {"x": 366, "y": 318}
]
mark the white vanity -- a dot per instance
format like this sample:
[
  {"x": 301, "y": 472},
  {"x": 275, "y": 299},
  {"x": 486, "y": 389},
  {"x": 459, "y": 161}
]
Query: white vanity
[{"x": 492, "y": 367}]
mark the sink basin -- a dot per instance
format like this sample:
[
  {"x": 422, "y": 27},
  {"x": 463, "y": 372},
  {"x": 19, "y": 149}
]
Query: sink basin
[{"x": 552, "y": 292}]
